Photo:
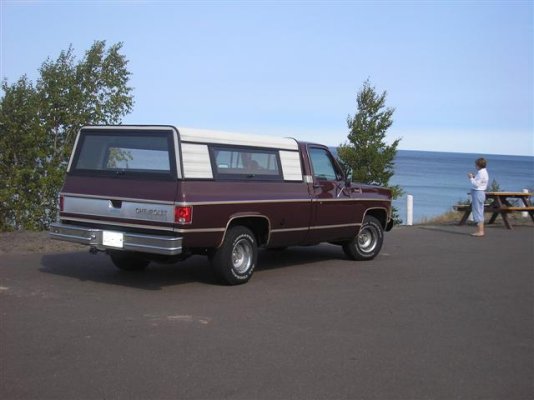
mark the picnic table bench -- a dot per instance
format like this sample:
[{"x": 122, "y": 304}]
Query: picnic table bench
[{"x": 501, "y": 205}]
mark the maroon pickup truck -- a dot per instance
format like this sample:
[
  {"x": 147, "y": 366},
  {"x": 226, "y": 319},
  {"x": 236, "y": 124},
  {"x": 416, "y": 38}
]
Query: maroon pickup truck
[{"x": 161, "y": 193}]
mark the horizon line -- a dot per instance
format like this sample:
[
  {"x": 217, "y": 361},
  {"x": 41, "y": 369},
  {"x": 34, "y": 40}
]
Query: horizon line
[{"x": 461, "y": 152}]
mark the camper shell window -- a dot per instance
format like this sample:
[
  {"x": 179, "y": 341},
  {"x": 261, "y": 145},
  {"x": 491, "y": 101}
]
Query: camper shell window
[
  {"x": 245, "y": 163},
  {"x": 125, "y": 153}
]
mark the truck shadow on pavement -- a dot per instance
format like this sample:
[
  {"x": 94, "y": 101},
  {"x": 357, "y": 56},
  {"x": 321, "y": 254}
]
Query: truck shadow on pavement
[{"x": 99, "y": 268}]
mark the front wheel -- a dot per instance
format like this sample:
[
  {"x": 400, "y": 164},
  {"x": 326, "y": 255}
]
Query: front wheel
[
  {"x": 235, "y": 260},
  {"x": 368, "y": 242}
]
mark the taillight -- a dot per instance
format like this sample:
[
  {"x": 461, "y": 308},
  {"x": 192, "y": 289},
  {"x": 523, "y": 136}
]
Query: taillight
[
  {"x": 61, "y": 203},
  {"x": 183, "y": 215}
]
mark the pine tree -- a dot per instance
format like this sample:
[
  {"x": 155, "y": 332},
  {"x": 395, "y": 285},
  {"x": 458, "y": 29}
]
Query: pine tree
[{"x": 366, "y": 157}]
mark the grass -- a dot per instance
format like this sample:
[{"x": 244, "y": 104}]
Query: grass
[
  {"x": 453, "y": 217},
  {"x": 450, "y": 217}
]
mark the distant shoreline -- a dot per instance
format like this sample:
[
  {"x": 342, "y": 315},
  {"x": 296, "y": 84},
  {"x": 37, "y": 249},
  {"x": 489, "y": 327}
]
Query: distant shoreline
[
  {"x": 455, "y": 152},
  {"x": 464, "y": 153}
]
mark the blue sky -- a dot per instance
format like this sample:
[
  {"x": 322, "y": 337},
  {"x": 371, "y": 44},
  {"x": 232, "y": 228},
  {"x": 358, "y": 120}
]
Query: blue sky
[{"x": 458, "y": 73}]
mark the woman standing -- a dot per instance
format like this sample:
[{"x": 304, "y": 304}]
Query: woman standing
[{"x": 479, "y": 183}]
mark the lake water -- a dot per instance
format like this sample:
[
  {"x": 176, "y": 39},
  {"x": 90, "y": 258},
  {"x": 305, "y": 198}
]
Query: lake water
[{"x": 438, "y": 180}]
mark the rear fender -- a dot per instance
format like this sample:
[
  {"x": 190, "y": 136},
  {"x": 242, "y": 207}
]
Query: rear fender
[{"x": 259, "y": 224}]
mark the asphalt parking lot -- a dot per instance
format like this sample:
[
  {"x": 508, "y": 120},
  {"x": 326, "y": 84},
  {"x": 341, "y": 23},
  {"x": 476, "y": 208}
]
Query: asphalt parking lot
[{"x": 438, "y": 315}]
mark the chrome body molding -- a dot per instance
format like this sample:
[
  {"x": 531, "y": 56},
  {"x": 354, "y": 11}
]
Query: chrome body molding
[
  {"x": 116, "y": 223},
  {"x": 283, "y": 230},
  {"x": 354, "y": 199},
  {"x": 144, "y": 243},
  {"x": 90, "y": 196},
  {"x": 116, "y": 208},
  {"x": 273, "y": 201},
  {"x": 229, "y": 202},
  {"x": 200, "y": 230},
  {"x": 335, "y": 226},
  {"x": 315, "y": 227}
]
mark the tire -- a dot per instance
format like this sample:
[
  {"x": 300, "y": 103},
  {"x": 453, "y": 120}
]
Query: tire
[
  {"x": 128, "y": 261},
  {"x": 367, "y": 243},
  {"x": 235, "y": 260}
]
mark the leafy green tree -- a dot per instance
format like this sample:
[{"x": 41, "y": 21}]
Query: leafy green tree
[
  {"x": 366, "y": 157},
  {"x": 21, "y": 148},
  {"x": 38, "y": 126}
]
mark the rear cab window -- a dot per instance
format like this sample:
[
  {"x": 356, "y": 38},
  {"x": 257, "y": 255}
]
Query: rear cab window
[{"x": 125, "y": 153}]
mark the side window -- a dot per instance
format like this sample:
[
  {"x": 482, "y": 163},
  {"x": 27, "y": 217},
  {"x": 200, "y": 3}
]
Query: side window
[
  {"x": 323, "y": 167},
  {"x": 245, "y": 163}
]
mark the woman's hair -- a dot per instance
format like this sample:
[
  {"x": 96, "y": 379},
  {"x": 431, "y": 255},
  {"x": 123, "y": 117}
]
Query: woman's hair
[{"x": 481, "y": 162}]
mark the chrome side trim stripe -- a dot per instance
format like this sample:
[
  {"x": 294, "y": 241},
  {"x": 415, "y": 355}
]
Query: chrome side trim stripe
[
  {"x": 206, "y": 203},
  {"x": 289, "y": 230},
  {"x": 346, "y": 200},
  {"x": 200, "y": 230},
  {"x": 335, "y": 226},
  {"x": 209, "y": 203}
]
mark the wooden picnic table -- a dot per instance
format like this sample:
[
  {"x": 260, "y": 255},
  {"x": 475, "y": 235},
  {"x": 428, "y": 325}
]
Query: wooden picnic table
[{"x": 501, "y": 205}]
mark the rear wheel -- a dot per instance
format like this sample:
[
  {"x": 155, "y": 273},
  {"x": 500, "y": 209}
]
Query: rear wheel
[
  {"x": 235, "y": 260},
  {"x": 367, "y": 243},
  {"x": 128, "y": 261}
]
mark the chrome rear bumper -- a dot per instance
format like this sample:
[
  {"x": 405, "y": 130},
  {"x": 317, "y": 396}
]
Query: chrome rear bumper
[{"x": 154, "y": 244}]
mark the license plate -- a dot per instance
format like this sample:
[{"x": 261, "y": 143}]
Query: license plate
[{"x": 112, "y": 239}]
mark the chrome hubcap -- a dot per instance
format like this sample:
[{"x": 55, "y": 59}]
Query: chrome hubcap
[
  {"x": 242, "y": 256},
  {"x": 367, "y": 240}
]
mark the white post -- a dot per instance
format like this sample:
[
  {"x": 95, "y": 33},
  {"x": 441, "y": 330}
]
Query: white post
[
  {"x": 524, "y": 214},
  {"x": 409, "y": 210}
]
